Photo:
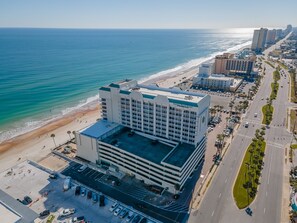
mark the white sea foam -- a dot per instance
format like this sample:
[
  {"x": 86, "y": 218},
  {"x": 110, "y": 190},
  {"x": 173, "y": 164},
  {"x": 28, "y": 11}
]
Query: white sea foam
[
  {"x": 29, "y": 125},
  {"x": 193, "y": 63}
]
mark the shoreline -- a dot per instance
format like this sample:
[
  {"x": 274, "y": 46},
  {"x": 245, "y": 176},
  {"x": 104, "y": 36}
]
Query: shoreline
[{"x": 37, "y": 143}]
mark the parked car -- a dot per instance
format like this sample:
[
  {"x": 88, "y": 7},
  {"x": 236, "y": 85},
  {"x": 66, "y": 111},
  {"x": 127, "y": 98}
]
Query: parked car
[
  {"x": 79, "y": 219},
  {"x": 123, "y": 213},
  {"x": 89, "y": 194},
  {"x": 27, "y": 200},
  {"x": 130, "y": 216},
  {"x": 83, "y": 191},
  {"x": 94, "y": 197},
  {"x": 102, "y": 201},
  {"x": 44, "y": 213},
  {"x": 67, "y": 183},
  {"x": 77, "y": 190},
  {"x": 113, "y": 207},
  {"x": 136, "y": 219},
  {"x": 53, "y": 176},
  {"x": 82, "y": 168},
  {"x": 117, "y": 211},
  {"x": 67, "y": 212},
  {"x": 144, "y": 220}
]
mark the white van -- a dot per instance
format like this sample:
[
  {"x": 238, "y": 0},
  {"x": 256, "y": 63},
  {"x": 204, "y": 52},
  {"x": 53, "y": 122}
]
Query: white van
[
  {"x": 256, "y": 115},
  {"x": 67, "y": 182},
  {"x": 246, "y": 124}
]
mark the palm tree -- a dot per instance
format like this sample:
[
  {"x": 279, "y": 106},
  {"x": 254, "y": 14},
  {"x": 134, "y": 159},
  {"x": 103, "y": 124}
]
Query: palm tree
[
  {"x": 69, "y": 132},
  {"x": 53, "y": 137},
  {"x": 73, "y": 132}
]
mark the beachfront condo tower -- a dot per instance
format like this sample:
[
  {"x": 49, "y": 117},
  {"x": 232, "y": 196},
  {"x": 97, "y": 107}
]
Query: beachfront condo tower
[
  {"x": 157, "y": 135},
  {"x": 259, "y": 40}
]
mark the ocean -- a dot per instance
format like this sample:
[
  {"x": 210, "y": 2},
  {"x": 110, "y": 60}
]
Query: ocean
[{"x": 47, "y": 73}]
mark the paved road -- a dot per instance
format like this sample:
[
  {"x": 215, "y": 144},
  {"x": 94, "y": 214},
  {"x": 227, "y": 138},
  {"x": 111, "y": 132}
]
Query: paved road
[{"x": 218, "y": 204}]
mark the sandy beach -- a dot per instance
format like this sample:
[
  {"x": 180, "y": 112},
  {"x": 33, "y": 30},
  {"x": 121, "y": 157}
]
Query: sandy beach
[{"x": 37, "y": 144}]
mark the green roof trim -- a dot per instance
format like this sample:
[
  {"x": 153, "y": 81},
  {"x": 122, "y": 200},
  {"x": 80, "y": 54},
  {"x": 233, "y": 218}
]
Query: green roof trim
[
  {"x": 104, "y": 89},
  {"x": 148, "y": 96},
  {"x": 184, "y": 103},
  {"x": 125, "y": 92},
  {"x": 114, "y": 85}
]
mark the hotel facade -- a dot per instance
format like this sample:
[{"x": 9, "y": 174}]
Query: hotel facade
[{"x": 157, "y": 135}]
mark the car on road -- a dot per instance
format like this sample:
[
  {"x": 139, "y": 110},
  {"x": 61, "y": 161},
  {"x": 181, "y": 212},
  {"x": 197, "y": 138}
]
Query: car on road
[
  {"x": 67, "y": 212},
  {"x": 44, "y": 213},
  {"x": 256, "y": 115},
  {"x": 82, "y": 168},
  {"x": 117, "y": 211},
  {"x": 67, "y": 183},
  {"x": 249, "y": 211},
  {"x": 130, "y": 216},
  {"x": 246, "y": 124},
  {"x": 113, "y": 207},
  {"x": 123, "y": 213}
]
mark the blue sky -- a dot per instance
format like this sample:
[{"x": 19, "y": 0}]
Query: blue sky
[{"x": 147, "y": 13}]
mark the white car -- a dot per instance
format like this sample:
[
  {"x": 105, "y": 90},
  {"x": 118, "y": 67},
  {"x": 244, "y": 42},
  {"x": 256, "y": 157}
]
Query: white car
[
  {"x": 117, "y": 211},
  {"x": 67, "y": 212},
  {"x": 255, "y": 115},
  {"x": 113, "y": 207}
]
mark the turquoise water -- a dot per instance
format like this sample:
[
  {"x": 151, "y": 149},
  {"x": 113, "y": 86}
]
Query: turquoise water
[{"x": 45, "y": 73}]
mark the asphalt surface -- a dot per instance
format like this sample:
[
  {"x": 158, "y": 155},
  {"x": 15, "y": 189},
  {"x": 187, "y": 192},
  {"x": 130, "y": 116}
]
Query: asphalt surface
[
  {"x": 218, "y": 204},
  {"x": 176, "y": 212}
]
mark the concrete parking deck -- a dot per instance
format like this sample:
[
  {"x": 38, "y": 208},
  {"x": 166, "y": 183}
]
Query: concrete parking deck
[{"x": 139, "y": 145}]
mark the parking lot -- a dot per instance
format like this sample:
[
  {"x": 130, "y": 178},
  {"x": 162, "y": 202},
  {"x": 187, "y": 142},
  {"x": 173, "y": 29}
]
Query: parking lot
[{"x": 26, "y": 179}]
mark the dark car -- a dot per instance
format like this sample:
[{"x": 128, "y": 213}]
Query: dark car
[
  {"x": 136, "y": 219},
  {"x": 144, "y": 220},
  {"x": 77, "y": 190},
  {"x": 89, "y": 194},
  {"x": 27, "y": 200},
  {"x": 102, "y": 201},
  {"x": 44, "y": 213},
  {"x": 249, "y": 211}
]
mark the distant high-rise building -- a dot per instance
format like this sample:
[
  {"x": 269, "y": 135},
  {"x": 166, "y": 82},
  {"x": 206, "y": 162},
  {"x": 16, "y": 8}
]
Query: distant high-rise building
[
  {"x": 289, "y": 28},
  {"x": 279, "y": 34},
  {"x": 271, "y": 37},
  {"x": 259, "y": 39}
]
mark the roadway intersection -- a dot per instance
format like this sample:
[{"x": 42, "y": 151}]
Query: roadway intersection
[{"x": 218, "y": 204}]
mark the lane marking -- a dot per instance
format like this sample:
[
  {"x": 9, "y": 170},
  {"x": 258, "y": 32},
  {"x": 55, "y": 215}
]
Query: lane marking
[
  {"x": 269, "y": 169},
  {"x": 212, "y": 213},
  {"x": 226, "y": 180},
  {"x": 220, "y": 195},
  {"x": 264, "y": 210},
  {"x": 266, "y": 193}
]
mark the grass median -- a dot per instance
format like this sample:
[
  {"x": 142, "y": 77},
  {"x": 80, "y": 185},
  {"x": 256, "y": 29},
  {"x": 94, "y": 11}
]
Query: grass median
[
  {"x": 247, "y": 181},
  {"x": 274, "y": 90},
  {"x": 270, "y": 64},
  {"x": 267, "y": 111}
]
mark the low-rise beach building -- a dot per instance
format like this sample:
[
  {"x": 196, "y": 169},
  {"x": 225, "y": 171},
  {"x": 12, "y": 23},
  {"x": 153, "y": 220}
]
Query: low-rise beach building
[
  {"x": 156, "y": 134},
  {"x": 216, "y": 82}
]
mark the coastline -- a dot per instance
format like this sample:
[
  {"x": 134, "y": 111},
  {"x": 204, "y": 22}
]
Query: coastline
[{"x": 37, "y": 143}]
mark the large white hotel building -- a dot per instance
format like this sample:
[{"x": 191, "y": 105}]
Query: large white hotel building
[{"x": 157, "y": 135}]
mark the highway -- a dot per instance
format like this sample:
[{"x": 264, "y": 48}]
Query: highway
[{"x": 218, "y": 204}]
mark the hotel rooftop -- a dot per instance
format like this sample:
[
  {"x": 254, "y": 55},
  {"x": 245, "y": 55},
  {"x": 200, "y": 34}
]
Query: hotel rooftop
[{"x": 174, "y": 95}]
